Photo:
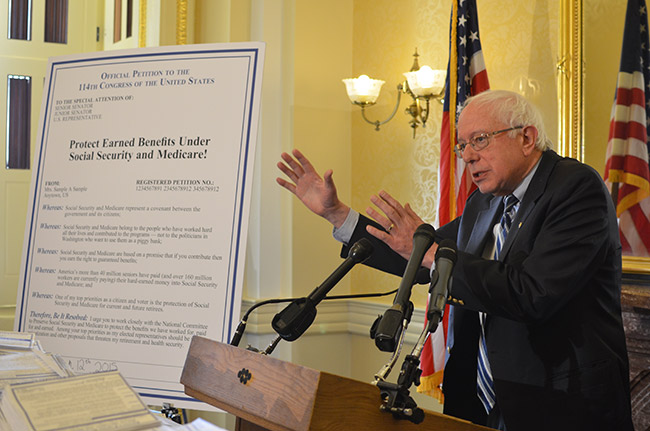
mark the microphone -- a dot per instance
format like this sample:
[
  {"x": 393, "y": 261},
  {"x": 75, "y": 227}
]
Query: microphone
[
  {"x": 439, "y": 289},
  {"x": 294, "y": 320},
  {"x": 389, "y": 327}
]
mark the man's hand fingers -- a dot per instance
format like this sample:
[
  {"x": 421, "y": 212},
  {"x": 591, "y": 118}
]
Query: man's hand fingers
[
  {"x": 412, "y": 214},
  {"x": 392, "y": 202},
  {"x": 304, "y": 161},
  {"x": 391, "y": 212},
  {"x": 379, "y": 218},
  {"x": 288, "y": 172},
  {"x": 402, "y": 246},
  {"x": 286, "y": 184},
  {"x": 379, "y": 234},
  {"x": 293, "y": 164}
]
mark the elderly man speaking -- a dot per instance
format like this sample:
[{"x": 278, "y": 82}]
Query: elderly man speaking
[{"x": 537, "y": 339}]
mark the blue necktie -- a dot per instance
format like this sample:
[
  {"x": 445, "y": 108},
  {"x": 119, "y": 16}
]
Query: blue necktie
[{"x": 485, "y": 384}]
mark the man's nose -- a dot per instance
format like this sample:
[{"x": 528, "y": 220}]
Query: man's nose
[{"x": 470, "y": 154}]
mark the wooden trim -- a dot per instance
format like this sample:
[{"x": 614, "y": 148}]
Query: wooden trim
[
  {"x": 117, "y": 21},
  {"x": 142, "y": 25},
  {"x": 181, "y": 22},
  {"x": 570, "y": 81}
]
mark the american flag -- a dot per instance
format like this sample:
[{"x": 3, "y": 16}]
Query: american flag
[
  {"x": 626, "y": 172},
  {"x": 466, "y": 75}
]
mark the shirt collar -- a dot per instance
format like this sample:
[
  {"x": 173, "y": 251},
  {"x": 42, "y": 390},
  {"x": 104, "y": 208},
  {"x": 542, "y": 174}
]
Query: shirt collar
[{"x": 520, "y": 191}]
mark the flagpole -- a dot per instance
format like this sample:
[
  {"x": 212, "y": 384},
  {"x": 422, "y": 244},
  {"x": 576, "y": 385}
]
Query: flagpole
[{"x": 453, "y": 84}]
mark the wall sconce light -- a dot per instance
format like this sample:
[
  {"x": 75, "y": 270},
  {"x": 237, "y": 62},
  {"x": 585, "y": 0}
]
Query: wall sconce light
[{"x": 421, "y": 83}]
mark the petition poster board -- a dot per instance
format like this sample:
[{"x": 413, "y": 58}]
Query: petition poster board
[{"x": 139, "y": 205}]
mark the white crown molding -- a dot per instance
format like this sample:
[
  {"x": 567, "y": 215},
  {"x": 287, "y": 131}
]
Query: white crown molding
[{"x": 350, "y": 316}]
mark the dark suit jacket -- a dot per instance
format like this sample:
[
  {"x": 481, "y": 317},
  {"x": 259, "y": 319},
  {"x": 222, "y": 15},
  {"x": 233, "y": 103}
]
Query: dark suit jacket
[{"x": 554, "y": 331}]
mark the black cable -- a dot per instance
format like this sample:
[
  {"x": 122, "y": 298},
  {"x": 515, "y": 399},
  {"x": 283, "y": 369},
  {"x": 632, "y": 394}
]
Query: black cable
[
  {"x": 281, "y": 300},
  {"x": 242, "y": 324}
]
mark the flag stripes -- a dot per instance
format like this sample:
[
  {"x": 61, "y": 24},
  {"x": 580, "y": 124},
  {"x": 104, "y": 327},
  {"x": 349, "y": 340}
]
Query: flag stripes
[
  {"x": 627, "y": 172},
  {"x": 466, "y": 76}
]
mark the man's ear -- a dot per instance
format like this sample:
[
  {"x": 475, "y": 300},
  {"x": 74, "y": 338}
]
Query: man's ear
[{"x": 529, "y": 134}]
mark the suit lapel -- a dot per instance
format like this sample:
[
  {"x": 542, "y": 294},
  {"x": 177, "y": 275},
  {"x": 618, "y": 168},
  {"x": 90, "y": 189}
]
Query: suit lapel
[
  {"x": 533, "y": 193},
  {"x": 485, "y": 220}
]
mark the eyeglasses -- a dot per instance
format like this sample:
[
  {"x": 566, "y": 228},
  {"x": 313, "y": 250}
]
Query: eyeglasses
[{"x": 479, "y": 142}]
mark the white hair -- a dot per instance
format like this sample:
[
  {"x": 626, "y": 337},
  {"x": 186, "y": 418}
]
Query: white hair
[{"x": 513, "y": 109}]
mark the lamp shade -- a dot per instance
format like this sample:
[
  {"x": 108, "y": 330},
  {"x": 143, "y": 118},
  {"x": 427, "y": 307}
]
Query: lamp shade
[
  {"x": 426, "y": 81},
  {"x": 363, "y": 90}
]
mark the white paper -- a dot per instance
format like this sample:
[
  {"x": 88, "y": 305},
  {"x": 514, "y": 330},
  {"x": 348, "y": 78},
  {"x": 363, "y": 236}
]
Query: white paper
[
  {"x": 96, "y": 402},
  {"x": 136, "y": 234},
  {"x": 17, "y": 365},
  {"x": 17, "y": 340},
  {"x": 196, "y": 425}
]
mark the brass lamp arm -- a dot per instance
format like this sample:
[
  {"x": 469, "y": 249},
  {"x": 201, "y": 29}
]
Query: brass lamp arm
[{"x": 390, "y": 117}]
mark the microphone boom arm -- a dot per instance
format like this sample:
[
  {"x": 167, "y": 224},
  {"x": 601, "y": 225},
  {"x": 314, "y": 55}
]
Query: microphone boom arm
[{"x": 395, "y": 396}]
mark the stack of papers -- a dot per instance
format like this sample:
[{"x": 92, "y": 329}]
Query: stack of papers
[
  {"x": 38, "y": 392},
  {"x": 101, "y": 401},
  {"x": 19, "y": 365}
]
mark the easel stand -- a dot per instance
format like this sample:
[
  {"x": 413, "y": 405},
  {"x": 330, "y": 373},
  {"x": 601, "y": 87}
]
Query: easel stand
[{"x": 269, "y": 394}]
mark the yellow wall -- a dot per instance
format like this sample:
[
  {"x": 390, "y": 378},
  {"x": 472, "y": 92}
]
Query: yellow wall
[
  {"x": 222, "y": 21},
  {"x": 320, "y": 127},
  {"x": 308, "y": 50},
  {"x": 603, "y": 37}
]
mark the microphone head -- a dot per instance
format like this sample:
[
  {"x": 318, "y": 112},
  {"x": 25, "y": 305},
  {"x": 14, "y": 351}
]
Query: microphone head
[
  {"x": 389, "y": 329},
  {"x": 426, "y": 230},
  {"x": 360, "y": 250},
  {"x": 447, "y": 250},
  {"x": 295, "y": 319},
  {"x": 424, "y": 236}
]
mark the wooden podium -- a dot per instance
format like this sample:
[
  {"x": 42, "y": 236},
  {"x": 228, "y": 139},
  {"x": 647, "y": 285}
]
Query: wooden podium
[{"x": 269, "y": 394}]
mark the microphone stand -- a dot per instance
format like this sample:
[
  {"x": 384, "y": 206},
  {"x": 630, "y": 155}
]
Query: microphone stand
[
  {"x": 271, "y": 347},
  {"x": 396, "y": 398}
]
